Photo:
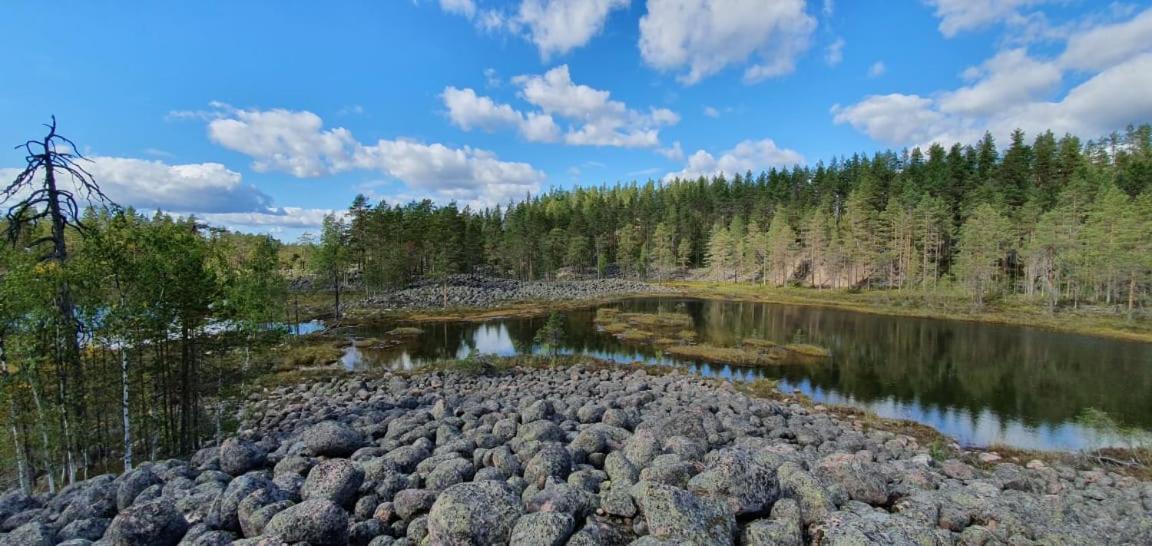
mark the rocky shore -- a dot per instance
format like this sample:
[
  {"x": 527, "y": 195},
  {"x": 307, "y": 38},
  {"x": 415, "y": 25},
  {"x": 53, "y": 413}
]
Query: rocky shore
[
  {"x": 478, "y": 291},
  {"x": 579, "y": 456}
]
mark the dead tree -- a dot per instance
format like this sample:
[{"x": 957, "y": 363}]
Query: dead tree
[{"x": 40, "y": 196}]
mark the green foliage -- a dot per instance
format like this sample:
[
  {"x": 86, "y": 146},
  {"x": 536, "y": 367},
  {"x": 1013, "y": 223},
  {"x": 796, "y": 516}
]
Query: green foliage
[{"x": 550, "y": 337}]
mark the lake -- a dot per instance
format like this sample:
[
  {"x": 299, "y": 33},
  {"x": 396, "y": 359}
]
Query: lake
[{"x": 982, "y": 384}]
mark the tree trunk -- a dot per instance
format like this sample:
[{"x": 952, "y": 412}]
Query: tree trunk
[{"x": 124, "y": 408}]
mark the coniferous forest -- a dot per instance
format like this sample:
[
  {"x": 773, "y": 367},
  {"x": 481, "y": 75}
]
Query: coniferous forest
[
  {"x": 123, "y": 335},
  {"x": 1066, "y": 222}
]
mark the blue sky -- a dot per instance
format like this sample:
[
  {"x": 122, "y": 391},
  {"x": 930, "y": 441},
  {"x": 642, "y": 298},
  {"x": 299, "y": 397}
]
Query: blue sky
[{"x": 263, "y": 116}]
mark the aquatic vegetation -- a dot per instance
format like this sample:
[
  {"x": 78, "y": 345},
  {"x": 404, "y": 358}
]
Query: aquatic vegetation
[{"x": 404, "y": 331}]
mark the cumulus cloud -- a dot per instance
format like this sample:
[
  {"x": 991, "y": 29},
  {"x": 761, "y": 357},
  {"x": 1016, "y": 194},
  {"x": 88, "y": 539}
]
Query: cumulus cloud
[
  {"x": 592, "y": 117},
  {"x": 155, "y": 185},
  {"x": 1013, "y": 90},
  {"x": 559, "y": 26},
  {"x": 749, "y": 155},
  {"x": 555, "y": 27},
  {"x": 1107, "y": 101},
  {"x": 297, "y": 143},
  {"x": 1106, "y": 45},
  {"x": 957, "y": 16},
  {"x": 702, "y": 37},
  {"x": 1009, "y": 79},
  {"x": 877, "y": 69}
]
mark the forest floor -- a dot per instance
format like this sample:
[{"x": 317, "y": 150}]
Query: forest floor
[{"x": 1094, "y": 321}]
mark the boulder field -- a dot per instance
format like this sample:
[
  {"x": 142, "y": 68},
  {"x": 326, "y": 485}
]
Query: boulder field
[
  {"x": 577, "y": 456},
  {"x": 479, "y": 291}
]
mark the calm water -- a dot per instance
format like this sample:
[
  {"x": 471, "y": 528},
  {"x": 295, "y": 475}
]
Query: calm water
[{"x": 981, "y": 384}]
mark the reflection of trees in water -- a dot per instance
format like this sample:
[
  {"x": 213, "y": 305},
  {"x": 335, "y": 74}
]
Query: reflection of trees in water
[{"x": 1031, "y": 375}]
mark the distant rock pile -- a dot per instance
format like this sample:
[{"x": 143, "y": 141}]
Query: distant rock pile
[
  {"x": 480, "y": 291},
  {"x": 571, "y": 456}
]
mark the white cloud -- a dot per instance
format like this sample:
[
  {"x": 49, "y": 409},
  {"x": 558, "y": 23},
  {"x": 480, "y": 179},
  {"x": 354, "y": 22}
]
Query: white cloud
[
  {"x": 877, "y": 69},
  {"x": 1009, "y": 79},
  {"x": 706, "y": 36},
  {"x": 297, "y": 143},
  {"x": 894, "y": 118},
  {"x": 555, "y": 27},
  {"x": 829, "y": 8},
  {"x": 594, "y": 118},
  {"x": 1106, "y": 45},
  {"x": 467, "y": 8},
  {"x": 1016, "y": 90},
  {"x": 285, "y": 217},
  {"x": 749, "y": 155},
  {"x": 711, "y": 112},
  {"x": 957, "y": 16},
  {"x": 1107, "y": 101},
  {"x": 283, "y": 140},
  {"x": 834, "y": 53},
  {"x": 559, "y": 26},
  {"x": 149, "y": 184},
  {"x": 673, "y": 152}
]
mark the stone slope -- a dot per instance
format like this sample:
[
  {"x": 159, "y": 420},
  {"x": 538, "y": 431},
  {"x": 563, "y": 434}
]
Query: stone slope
[{"x": 573, "y": 456}]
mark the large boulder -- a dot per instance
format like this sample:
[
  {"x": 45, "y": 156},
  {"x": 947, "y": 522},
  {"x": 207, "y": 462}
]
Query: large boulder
[
  {"x": 796, "y": 483},
  {"x": 134, "y": 483},
  {"x": 30, "y": 534},
  {"x": 543, "y": 529},
  {"x": 680, "y": 516},
  {"x": 332, "y": 439},
  {"x": 475, "y": 513},
  {"x": 733, "y": 475},
  {"x": 319, "y": 522},
  {"x": 238, "y": 456},
  {"x": 335, "y": 479},
  {"x": 859, "y": 478},
  {"x": 153, "y": 523},
  {"x": 224, "y": 511}
]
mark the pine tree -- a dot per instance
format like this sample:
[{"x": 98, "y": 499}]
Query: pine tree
[{"x": 982, "y": 246}]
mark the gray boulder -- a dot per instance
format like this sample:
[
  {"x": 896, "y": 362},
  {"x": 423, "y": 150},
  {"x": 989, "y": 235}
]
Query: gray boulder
[
  {"x": 319, "y": 522},
  {"x": 153, "y": 523},
  {"x": 475, "y": 513},
  {"x": 332, "y": 439},
  {"x": 335, "y": 479},
  {"x": 746, "y": 484},
  {"x": 238, "y": 456},
  {"x": 678, "y": 515},
  {"x": 543, "y": 529}
]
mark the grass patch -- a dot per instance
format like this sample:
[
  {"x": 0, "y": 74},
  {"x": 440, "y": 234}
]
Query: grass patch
[
  {"x": 807, "y": 349},
  {"x": 294, "y": 356},
  {"x": 748, "y": 355},
  {"x": 405, "y": 331}
]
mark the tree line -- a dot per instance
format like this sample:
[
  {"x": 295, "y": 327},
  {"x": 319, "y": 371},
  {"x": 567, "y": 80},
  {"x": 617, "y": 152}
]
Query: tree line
[
  {"x": 121, "y": 335},
  {"x": 1060, "y": 220}
]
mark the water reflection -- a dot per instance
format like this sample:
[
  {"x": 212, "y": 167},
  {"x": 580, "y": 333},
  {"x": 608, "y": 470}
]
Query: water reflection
[{"x": 980, "y": 383}]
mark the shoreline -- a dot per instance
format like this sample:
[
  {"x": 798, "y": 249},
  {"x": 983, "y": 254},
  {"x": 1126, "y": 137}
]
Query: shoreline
[{"x": 861, "y": 302}]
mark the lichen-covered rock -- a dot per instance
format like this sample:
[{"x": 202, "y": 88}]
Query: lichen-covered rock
[
  {"x": 543, "y": 529},
  {"x": 319, "y": 522},
  {"x": 132, "y": 484},
  {"x": 678, "y": 515},
  {"x": 30, "y": 534},
  {"x": 335, "y": 479},
  {"x": 410, "y": 502},
  {"x": 733, "y": 475},
  {"x": 155, "y": 523},
  {"x": 474, "y": 513},
  {"x": 238, "y": 456},
  {"x": 783, "y": 528},
  {"x": 551, "y": 461},
  {"x": 332, "y": 439},
  {"x": 449, "y": 473},
  {"x": 814, "y": 501},
  {"x": 860, "y": 479}
]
